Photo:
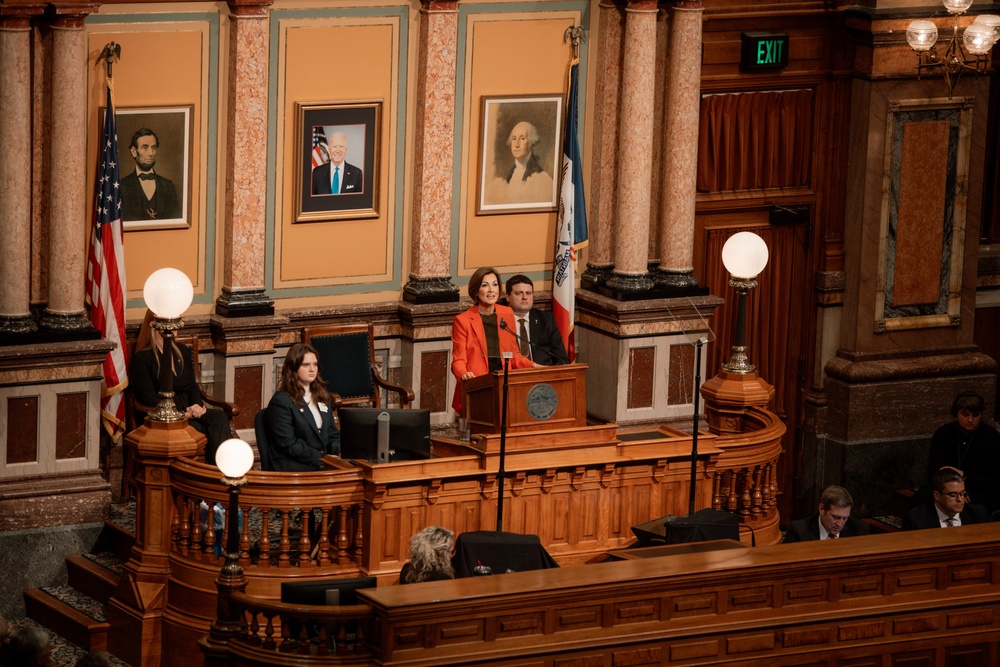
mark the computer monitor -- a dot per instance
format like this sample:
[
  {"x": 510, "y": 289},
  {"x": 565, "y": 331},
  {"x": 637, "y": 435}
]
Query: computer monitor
[
  {"x": 409, "y": 434},
  {"x": 325, "y": 591}
]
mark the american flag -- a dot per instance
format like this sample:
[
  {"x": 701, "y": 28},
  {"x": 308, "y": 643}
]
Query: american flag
[
  {"x": 106, "y": 276},
  {"x": 321, "y": 150},
  {"x": 571, "y": 223}
]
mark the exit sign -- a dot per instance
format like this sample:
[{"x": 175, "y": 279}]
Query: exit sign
[{"x": 764, "y": 50}]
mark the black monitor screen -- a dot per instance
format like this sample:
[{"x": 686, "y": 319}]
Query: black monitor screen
[
  {"x": 409, "y": 433},
  {"x": 325, "y": 591}
]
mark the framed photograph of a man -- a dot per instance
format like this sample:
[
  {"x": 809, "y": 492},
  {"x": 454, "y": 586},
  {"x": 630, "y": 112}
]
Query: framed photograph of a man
[
  {"x": 336, "y": 172},
  {"x": 520, "y": 154},
  {"x": 154, "y": 159}
]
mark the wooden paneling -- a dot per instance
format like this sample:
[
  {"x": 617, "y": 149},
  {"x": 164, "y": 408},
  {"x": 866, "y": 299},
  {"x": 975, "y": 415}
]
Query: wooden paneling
[{"x": 765, "y": 605}]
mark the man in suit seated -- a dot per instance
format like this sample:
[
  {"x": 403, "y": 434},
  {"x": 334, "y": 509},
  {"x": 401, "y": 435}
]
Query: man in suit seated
[
  {"x": 950, "y": 506},
  {"x": 538, "y": 335},
  {"x": 831, "y": 522}
]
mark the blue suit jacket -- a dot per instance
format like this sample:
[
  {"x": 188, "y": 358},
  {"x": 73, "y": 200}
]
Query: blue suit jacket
[
  {"x": 352, "y": 180},
  {"x": 297, "y": 445}
]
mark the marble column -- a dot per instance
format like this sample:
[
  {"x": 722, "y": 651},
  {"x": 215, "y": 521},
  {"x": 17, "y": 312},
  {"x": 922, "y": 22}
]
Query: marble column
[
  {"x": 68, "y": 198},
  {"x": 680, "y": 147},
  {"x": 600, "y": 251},
  {"x": 430, "y": 281},
  {"x": 15, "y": 176},
  {"x": 631, "y": 245},
  {"x": 243, "y": 293}
]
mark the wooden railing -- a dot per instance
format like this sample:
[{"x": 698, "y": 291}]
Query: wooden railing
[
  {"x": 579, "y": 489},
  {"x": 332, "y": 634},
  {"x": 311, "y": 521},
  {"x": 744, "y": 480},
  {"x": 920, "y": 598}
]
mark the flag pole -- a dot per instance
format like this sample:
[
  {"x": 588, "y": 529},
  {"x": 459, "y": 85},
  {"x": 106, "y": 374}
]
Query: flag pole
[
  {"x": 571, "y": 219},
  {"x": 105, "y": 279}
]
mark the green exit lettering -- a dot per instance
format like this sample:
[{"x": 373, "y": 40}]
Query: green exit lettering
[
  {"x": 764, "y": 50},
  {"x": 769, "y": 51}
]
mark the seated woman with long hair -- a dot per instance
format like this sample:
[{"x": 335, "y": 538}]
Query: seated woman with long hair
[
  {"x": 144, "y": 382},
  {"x": 430, "y": 556},
  {"x": 481, "y": 335},
  {"x": 299, "y": 416}
]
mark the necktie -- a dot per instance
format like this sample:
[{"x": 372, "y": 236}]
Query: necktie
[
  {"x": 950, "y": 521},
  {"x": 146, "y": 177},
  {"x": 833, "y": 536},
  {"x": 336, "y": 181},
  {"x": 523, "y": 342}
]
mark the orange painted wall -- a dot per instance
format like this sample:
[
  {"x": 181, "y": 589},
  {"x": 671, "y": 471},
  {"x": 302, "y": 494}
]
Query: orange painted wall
[
  {"x": 508, "y": 55},
  {"x": 339, "y": 250},
  {"x": 161, "y": 65}
]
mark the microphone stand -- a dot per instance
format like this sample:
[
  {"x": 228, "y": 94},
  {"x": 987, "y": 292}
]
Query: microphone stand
[
  {"x": 503, "y": 441},
  {"x": 694, "y": 437}
]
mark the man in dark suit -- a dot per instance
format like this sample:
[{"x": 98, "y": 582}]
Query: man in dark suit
[
  {"x": 337, "y": 177},
  {"x": 538, "y": 336},
  {"x": 145, "y": 194},
  {"x": 950, "y": 507},
  {"x": 831, "y": 522}
]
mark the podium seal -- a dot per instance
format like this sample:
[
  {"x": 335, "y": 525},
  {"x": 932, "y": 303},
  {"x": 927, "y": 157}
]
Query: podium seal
[{"x": 542, "y": 401}]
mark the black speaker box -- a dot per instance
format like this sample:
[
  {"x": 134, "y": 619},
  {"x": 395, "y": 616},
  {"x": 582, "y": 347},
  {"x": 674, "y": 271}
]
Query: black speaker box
[{"x": 707, "y": 524}]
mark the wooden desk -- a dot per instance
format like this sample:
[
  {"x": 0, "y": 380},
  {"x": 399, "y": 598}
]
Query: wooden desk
[{"x": 665, "y": 550}]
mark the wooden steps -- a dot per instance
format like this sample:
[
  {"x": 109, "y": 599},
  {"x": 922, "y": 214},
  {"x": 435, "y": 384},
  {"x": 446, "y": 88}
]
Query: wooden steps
[
  {"x": 48, "y": 607},
  {"x": 91, "y": 578},
  {"x": 77, "y": 611}
]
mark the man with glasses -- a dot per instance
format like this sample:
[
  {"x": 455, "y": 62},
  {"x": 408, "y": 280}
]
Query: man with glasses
[{"x": 950, "y": 507}]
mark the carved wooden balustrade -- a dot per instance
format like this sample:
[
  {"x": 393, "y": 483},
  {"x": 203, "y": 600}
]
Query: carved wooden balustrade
[
  {"x": 334, "y": 634},
  {"x": 744, "y": 479},
  {"x": 313, "y": 521},
  {"x": 579, "y": 489}
]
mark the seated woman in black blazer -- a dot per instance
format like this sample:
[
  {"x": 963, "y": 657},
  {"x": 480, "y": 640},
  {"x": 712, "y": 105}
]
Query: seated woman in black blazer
[
  {"x": 299, "y": 416},
  {"x": 144, "y": 382}
]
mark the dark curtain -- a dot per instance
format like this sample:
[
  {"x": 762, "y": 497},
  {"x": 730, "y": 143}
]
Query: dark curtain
[
  {"x": 768, "y": 312},
  {"x": 755, "y": 140}
]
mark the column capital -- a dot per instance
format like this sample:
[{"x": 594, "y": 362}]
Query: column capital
[
  {"x": 71, "y": 14},
  {"x": 18, "y": 17},
  {"x": 439, "y": 5},
  {"x": 642, "y": 6},
  {"x": 687, "y": 4},
  {"x": 249, "y": 8}
]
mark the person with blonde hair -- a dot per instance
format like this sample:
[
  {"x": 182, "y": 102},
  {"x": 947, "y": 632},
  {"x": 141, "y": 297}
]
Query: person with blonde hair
[
  {"x": 430, "y": 556},
  {"x": 144, "y": 383}
]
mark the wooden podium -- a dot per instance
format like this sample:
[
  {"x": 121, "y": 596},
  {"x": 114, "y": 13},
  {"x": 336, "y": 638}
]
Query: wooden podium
[{"x": 539, "y": 399}]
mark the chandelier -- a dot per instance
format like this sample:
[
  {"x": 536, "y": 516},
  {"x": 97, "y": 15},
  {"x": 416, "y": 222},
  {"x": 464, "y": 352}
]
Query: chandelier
[{"x": 968, "y": 54}]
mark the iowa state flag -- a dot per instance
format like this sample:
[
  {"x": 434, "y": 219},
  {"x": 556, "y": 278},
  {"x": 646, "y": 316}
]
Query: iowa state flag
[{"x": 571, "y": 223}]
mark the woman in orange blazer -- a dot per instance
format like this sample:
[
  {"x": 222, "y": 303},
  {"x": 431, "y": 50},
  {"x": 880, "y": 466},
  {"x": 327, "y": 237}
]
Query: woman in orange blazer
[{"x": 480, "y": 335}]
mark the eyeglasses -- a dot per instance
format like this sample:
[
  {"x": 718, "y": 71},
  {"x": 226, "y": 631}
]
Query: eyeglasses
[{"x": 955, "y": 495}]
